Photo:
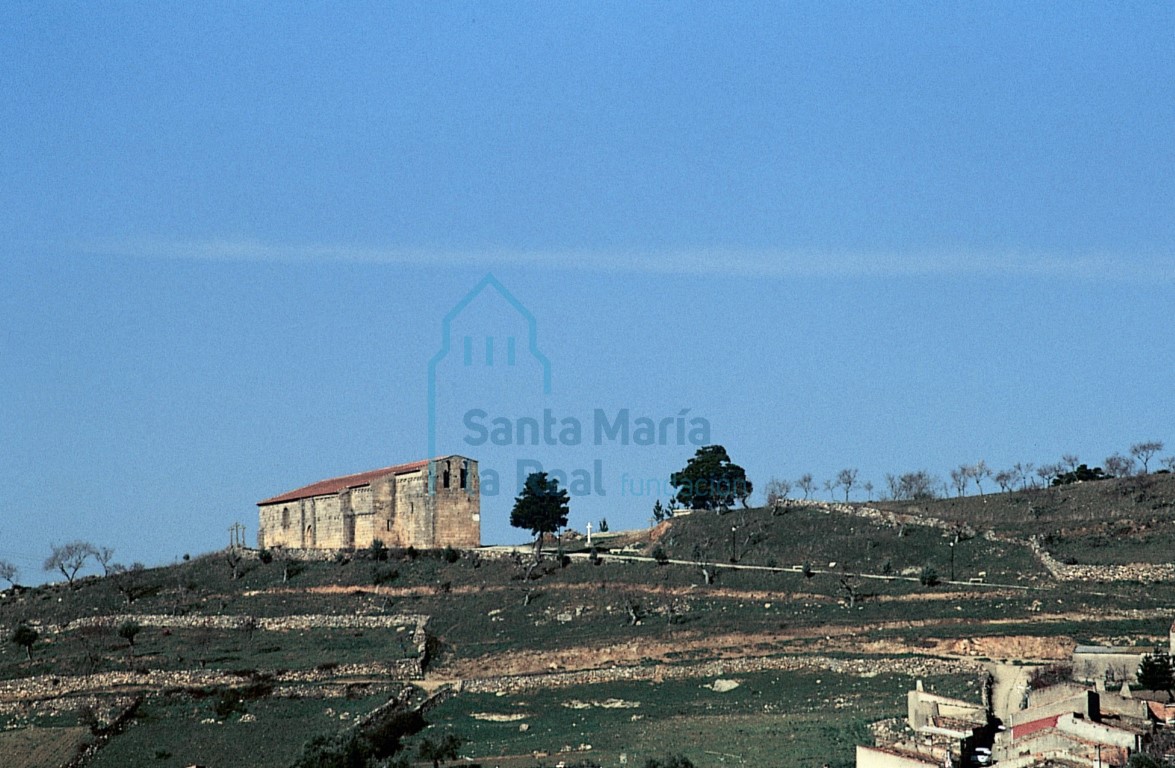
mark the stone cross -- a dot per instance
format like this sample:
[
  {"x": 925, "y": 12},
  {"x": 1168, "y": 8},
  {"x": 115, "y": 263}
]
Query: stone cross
[{"x": 589, "y": 529}]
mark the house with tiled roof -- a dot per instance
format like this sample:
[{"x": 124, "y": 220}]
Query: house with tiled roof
[{"x": 424, "y": 504}]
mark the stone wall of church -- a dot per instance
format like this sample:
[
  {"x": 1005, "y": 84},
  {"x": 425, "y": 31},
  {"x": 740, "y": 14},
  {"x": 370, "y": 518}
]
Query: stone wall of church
[{"x": 396, "y": 509}]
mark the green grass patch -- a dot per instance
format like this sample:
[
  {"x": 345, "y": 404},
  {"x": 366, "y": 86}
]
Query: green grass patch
[
  {"x": 174, "y": 731},
  {"x": 770, "y": 719}
]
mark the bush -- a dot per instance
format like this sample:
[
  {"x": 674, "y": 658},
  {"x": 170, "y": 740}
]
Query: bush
[
  {"x": 660, "y": 556},
  {"x": 450, "y": 555},
  {"x": 343, "y": 750},
  {"x": 378, "y": 551},
  {"x": 928, "y": 577},
  {"x": 88, "y": 716},
  {"x": 265, "y": 556},
  {"x": 228, "y": 702},
  {"x": 128, "y": 630},
  {"x": 673, "y": 761},
  {"x": 383, "y": 574}
]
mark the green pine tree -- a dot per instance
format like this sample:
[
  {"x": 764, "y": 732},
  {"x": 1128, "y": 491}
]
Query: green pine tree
[
  {"x": 541, "y": 508},
  {"x": 1155, "y": 671}
]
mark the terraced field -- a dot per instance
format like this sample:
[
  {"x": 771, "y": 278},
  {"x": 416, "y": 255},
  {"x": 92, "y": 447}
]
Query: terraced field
[{"x": 823, "y": 620}]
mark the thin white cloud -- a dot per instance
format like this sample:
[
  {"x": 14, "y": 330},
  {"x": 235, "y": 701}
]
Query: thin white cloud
[{"x": 702, "y": 261}]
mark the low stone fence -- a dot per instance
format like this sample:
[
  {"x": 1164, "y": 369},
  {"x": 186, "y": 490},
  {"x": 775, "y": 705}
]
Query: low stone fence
[
  {"x": 915, "y": 667},
  {"x": 293, "y": 623},
  {"x": 1142, "y": 572},
  {"x": 17, "y": 695},
  {"x": 892, "y": 519}
]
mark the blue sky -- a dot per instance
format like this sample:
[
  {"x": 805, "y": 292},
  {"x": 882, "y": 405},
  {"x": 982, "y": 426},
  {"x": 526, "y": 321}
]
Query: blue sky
[{"x": 886, "y": 236}]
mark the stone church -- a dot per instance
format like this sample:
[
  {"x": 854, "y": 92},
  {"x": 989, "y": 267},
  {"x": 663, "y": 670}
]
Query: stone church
[{"x": 424, "y": 504}]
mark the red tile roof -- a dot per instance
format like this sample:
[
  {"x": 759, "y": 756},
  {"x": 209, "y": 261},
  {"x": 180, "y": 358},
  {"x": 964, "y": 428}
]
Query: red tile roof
[
  {"x": 1032, "y": 726},
  {"x": 336, "y": 484},
  {"x": 1164, "y": 713}
]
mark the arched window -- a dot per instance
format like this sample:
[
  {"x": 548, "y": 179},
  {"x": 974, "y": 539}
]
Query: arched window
[{"x": 285, "y": 517}]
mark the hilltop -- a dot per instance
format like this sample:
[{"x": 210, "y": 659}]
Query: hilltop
[{"x": 827, "y": 613}]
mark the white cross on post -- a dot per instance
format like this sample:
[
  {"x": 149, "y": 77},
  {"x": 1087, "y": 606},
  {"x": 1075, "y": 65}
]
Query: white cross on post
[{"x": 589, "y": 527}]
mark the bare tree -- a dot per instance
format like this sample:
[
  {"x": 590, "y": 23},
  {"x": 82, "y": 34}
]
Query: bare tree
[
  {"x": 634, "y": 610},
  {"x": 1046, "y": 472},
  {"x": 868, "y": 486},
  {"x": 9, "y": 572},
  {"x": 129, "y": 581},
  {"x": 1005, "y": 479},
  {"x": 708, "y": 572},
  {"x": 978, "y": 471},
  {"x": 291, "y": 563},
  {"x": 1070, "y": 460},
  {"x": 960, "y": 477},
  {"x": 911, "y": 486},
  {"x": 1144, "y": 451},
  {"x": 846, "y": 479},
  {"x": 851, "y": 584},
  {"x": 1118, "y": 465},
  {"x": 69, "y": 558},
  {"x": 806, "y": 484},
  {"x": 1024, "y": 474},
  {"x": 234, "y": 559},
  {"x": 777, "y": 491},
  {"x": 831, "y": 486},
  {"x": 1169, "y": 463},
  {"x": 104, "y": 556}
]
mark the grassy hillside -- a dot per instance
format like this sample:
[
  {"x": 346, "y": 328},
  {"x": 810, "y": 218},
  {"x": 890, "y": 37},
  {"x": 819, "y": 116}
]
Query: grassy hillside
[
  {"x": 1104, "y": 522},
  {"x": 260, "y": 664}
]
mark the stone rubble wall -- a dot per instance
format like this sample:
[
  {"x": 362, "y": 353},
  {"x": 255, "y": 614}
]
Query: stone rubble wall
[
  {"x": 292, "y": 623},
  {"x": 863, "y": 667},
  {"x": 1143, "y": 572},
  {"x": 16, "y": 695},
  {"x": 892, "y": 519}
]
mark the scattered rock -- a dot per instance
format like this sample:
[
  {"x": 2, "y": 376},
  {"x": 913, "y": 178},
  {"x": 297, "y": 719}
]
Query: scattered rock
[{"x": 497, "y": 718}]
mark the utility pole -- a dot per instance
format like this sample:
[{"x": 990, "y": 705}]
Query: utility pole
[
  {"x": 733, "y": 544},
  {"x": 952, "y": 545}
]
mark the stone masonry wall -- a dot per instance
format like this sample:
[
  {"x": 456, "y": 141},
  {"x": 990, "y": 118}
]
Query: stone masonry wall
[{"x": 397, "y": 509}]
